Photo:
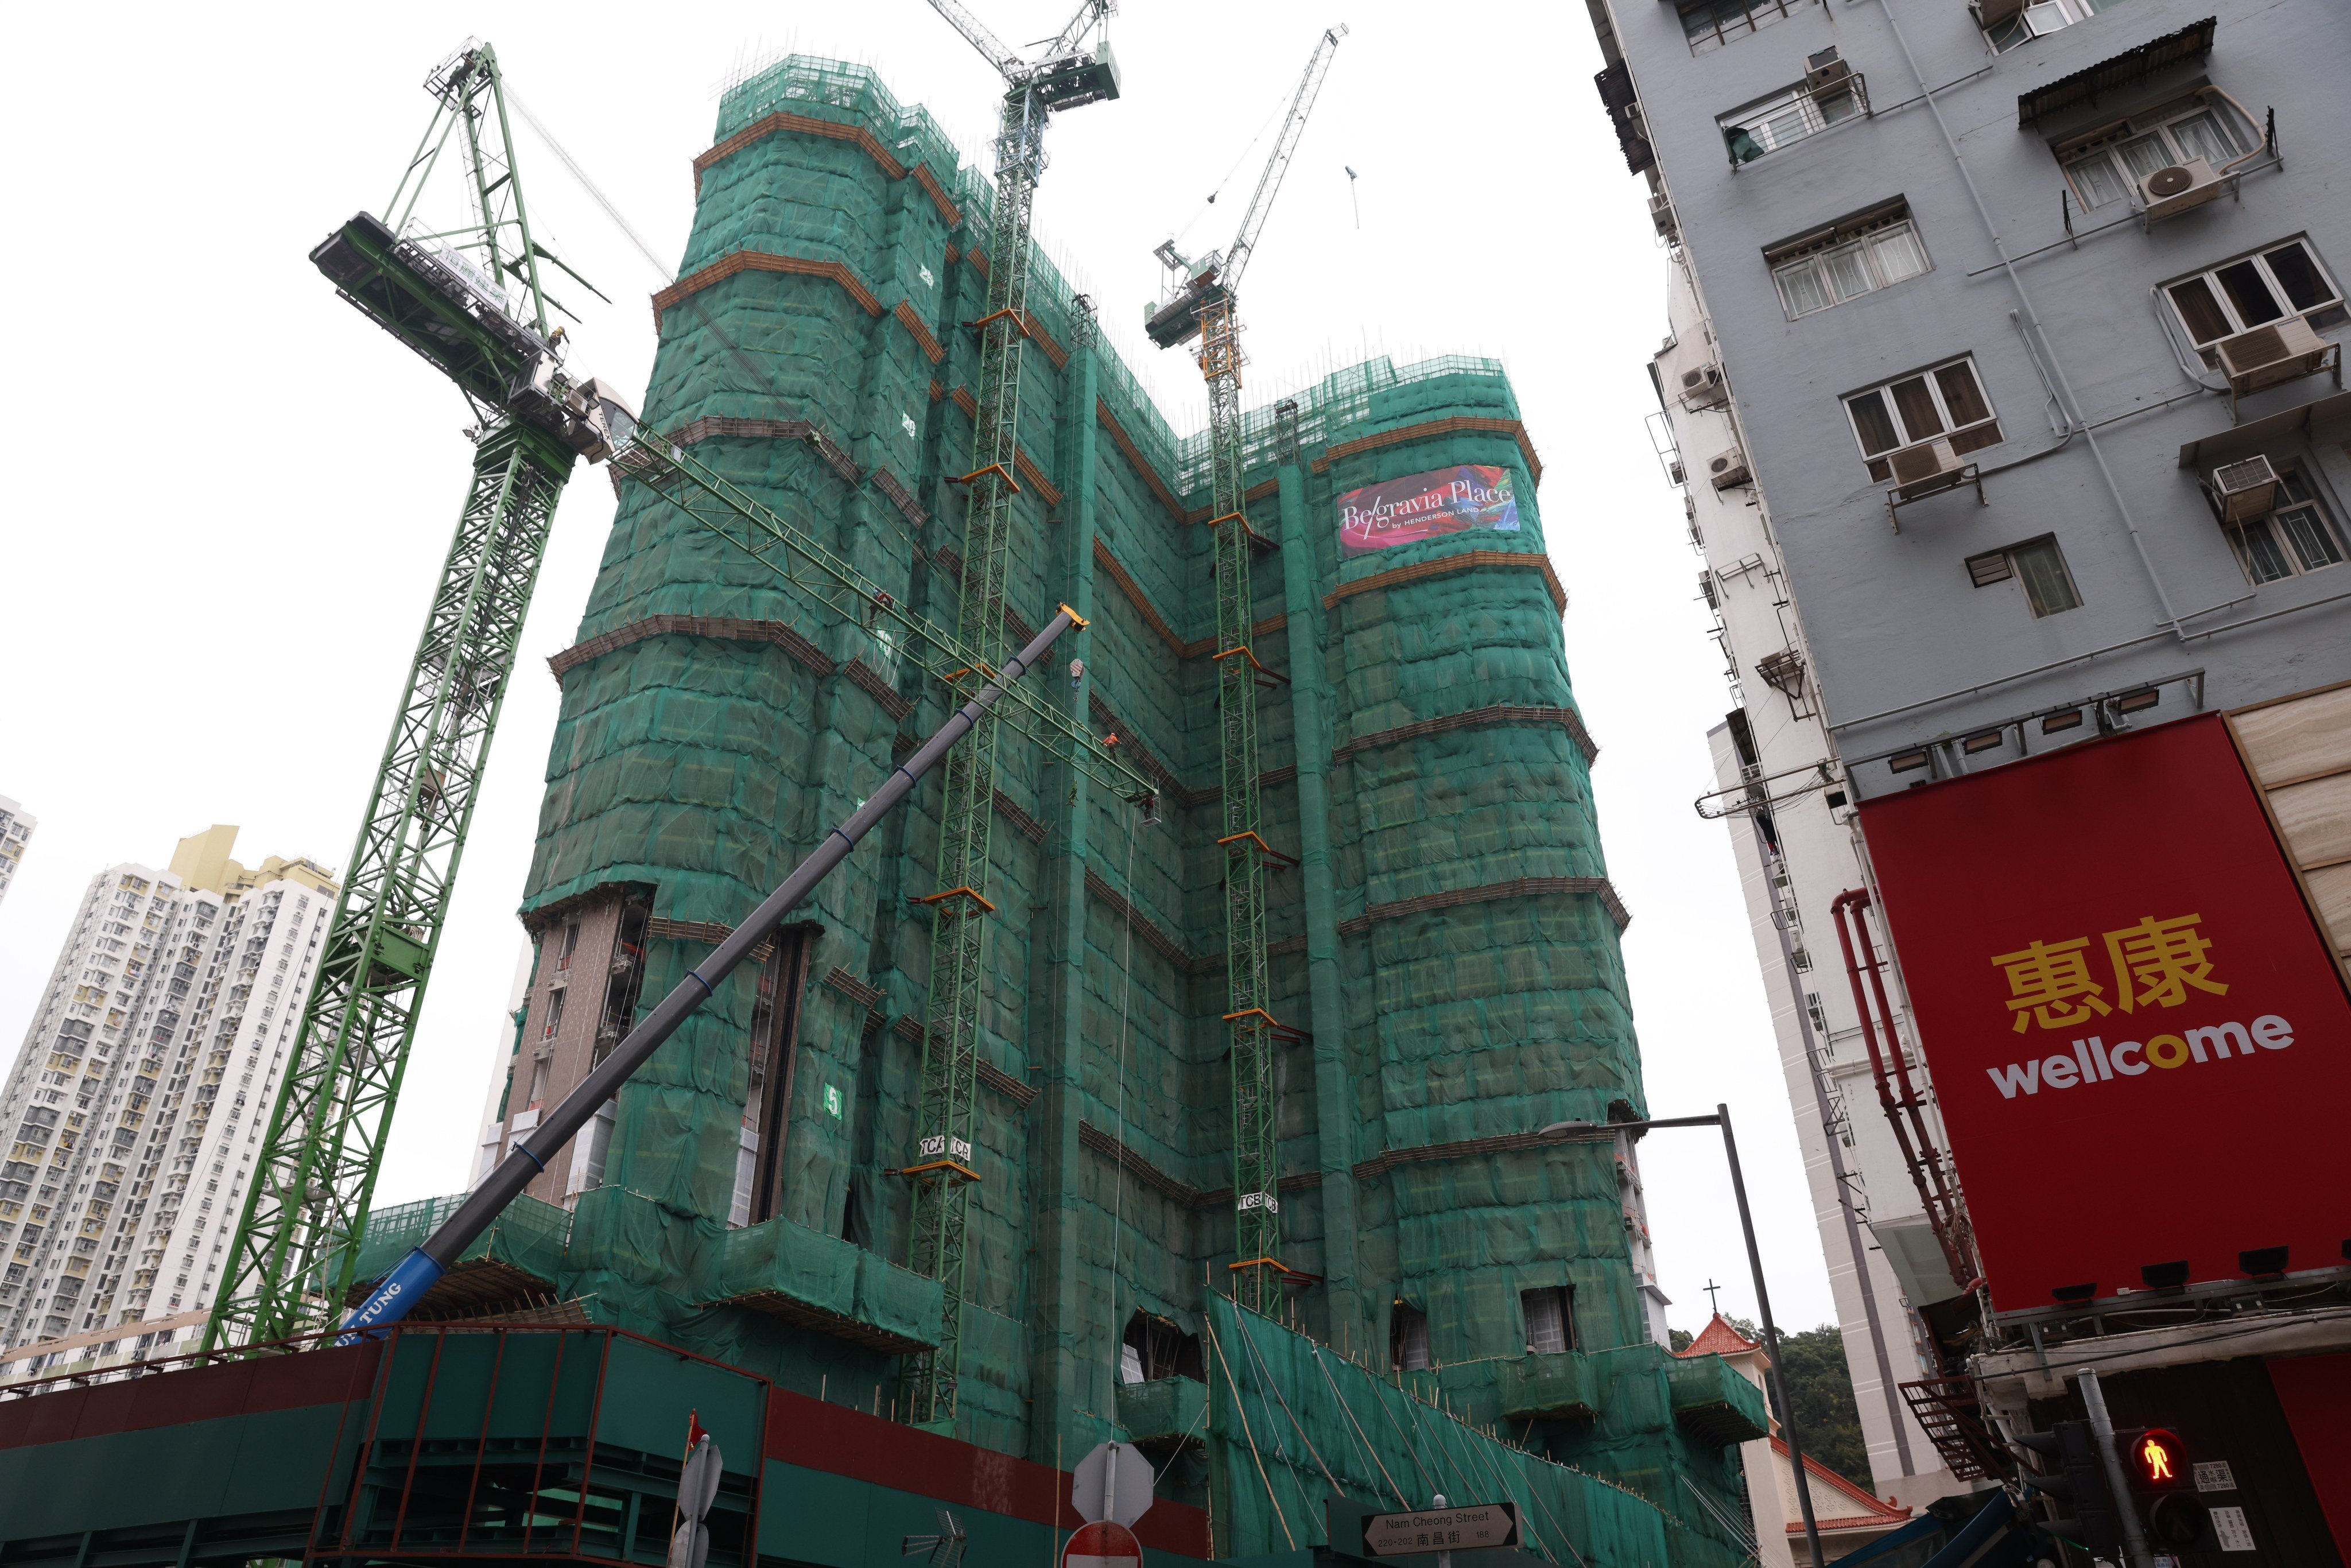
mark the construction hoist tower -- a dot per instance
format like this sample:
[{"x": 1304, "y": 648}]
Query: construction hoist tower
[
  {"x": 1202, "y": 302},
  {"x": 1065, "y": 75},
  {"x": 446, "y": 293}
]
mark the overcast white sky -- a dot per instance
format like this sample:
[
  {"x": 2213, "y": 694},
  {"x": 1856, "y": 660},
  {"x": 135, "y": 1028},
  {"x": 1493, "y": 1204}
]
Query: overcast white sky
[{"x": 231, "y": 494}]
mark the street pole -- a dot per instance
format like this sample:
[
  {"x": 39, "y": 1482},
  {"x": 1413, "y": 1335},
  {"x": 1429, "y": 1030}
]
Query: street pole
[
  {"x": 1772, "y": 1343},
  {"x": 1721, "y": 1118},
  {"x": 2101, "y": 1428}
]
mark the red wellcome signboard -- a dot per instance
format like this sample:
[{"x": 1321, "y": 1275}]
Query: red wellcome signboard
[
  {"x": 2138, "y": 1040},
  {"x": 1424, "y": 506}
]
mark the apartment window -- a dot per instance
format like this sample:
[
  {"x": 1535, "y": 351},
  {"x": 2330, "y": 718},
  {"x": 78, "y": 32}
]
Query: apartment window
[
  {"x": 2108, "y": 165},
  {"x": 1947, "y": 400},
  {"x": 1787, "y": 117},
  {"x": 1408, "y": 1338},
  {"x": 2240, "y": 294},
  {"x": 1846, "y": 259},
  {"x": 554, "y": 1014},
  {"x": 2043, "y": 17},
  {"x": 2039, "y": 565},
  {"x": 1711, "y": 24},
  {"x": 1551, "y": 1318},
  {"x": 2296, "y": 538}
]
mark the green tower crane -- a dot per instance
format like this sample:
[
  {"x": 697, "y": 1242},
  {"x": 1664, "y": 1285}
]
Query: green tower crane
[
  {"x": 1063, "y": 75},
  {"x": 1202, "y": 305},
  {"x": 446, "y": 295}
]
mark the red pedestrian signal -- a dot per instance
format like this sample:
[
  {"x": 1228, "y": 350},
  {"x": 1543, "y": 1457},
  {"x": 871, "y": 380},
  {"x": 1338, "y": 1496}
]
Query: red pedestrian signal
[{"x": 2158, "y": 1460}]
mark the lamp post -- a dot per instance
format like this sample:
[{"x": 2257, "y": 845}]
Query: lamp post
[{"x": 1721, "y": 1118}]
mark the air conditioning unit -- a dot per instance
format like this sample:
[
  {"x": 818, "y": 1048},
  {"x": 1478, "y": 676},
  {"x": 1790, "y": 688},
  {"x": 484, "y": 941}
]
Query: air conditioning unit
[
  {"x": 1782, "y": 672},
  {"x": 1826, "y": 69},
  {"x": 1674, "y": 473},
  {"x": 2174, "y": 190},
  {"x": 2270, "y": 356},
  {"x": 1728, "y": 469},
  {"x": 1993, "y": 12},
  {"x": 1661, "y": 214},
  {"x": 1923, "y": 469},
  {"x": 1704, "y": 388},
  {"x": 2245, "y": 490}
]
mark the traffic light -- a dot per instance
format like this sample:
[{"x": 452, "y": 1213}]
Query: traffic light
[
  {"x": 2078, "y": 1480},
  {"x": 2156, "y": 1462}
]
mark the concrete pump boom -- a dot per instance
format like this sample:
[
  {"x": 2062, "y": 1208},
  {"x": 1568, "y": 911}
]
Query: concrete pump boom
[{"x": 405, "y": 1284}]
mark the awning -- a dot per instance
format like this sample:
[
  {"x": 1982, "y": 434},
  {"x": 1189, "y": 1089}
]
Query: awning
[
  {"x": 1835, "y": 229},
  {"x": 2322, "y": 419},
  {"x": 2125, "y": 69}
]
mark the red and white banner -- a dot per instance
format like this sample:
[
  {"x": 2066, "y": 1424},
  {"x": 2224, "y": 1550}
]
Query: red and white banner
[{"x": 2139, "y": 1044}]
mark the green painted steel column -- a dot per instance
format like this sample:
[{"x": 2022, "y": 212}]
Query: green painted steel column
[
  {"x": 1334, "y": 1113},
  {"x": 1068, "y": 1374}
]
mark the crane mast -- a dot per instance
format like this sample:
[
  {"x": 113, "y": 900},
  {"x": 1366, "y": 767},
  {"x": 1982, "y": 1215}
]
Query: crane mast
[
  {"x": 445, "y": 294},
  {"x": 945, "y": 1165},
  {"x": 1204, "y": 303}
]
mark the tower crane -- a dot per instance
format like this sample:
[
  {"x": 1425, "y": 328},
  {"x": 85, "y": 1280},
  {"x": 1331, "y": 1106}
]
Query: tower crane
[
  {"x": 447, "y": 295},
  {"x": 1063, "y": 74},
  {"x": 1201, "y": 303}
]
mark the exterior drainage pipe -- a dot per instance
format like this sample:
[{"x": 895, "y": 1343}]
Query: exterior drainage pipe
[
  {"x": 2070, "y": 405},
  {"x": 401, "y": 1288}
]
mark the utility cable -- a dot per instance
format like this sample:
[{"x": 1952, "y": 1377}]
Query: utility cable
[
  {"x": 1264, "y": 1374},
  {"x": 2072, "y": 406},
  {"x": 1411, "y": 1446},
  {"x": 1161, "y": 1473},
  {"x": 764, "y": 384},
  {"x": 1290, "y": 1467},
  {"x": 1118, "y": 1205},
  {"x": 1240, "y": 1410},
  {"x": 1242, "y": 157},
  {"x": 1362, "y": 1437}
]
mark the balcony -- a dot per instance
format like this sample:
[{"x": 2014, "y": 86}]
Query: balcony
[
  {"x": 1713, "y": 1404},
  {"x": 1161, "y": 1415},
  {"x": 1558, "y": 1386},
  {"x": 832, "y": 1286},
  {"x": 517, "y": 1260}
]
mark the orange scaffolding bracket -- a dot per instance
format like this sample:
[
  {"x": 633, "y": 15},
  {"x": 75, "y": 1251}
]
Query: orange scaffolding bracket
[
  {"x": 1243, "y": 650},
  {"x": 1018, "y": 321},
  {"x": 1257, "y": 1263},
  {"x": 1263, "y": 847},
  {"x": 1270, "y": 1021},
  {"x": 996, "y": 468},
  {"x": 961, "y": 1170},
  {"x": 970, "y": 892}
]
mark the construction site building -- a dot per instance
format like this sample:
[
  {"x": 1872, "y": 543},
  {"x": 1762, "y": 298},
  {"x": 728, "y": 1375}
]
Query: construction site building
[
  {"x": 1469, "y": 1306},
  {"x": 1444, "y": 949}
]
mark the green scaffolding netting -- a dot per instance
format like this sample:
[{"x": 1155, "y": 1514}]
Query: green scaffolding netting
[
  {"x": 1444, "y": 949},
  {"x": 1289, "y": 1423}
]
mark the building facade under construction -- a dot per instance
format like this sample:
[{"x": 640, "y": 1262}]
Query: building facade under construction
[{"x": 1466, "y": 1303}]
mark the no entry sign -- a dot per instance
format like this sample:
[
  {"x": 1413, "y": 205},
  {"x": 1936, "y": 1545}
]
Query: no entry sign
[{"x": 1105, "y": 1544}]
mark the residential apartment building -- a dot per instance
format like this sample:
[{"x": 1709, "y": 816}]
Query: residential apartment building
[
  {"x": 137, "y": 1101},
  {"x": 2003, "y": 388},
  {"x": 16, "y": 826}
]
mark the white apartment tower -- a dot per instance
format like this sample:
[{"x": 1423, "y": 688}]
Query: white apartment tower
[
  {"x": 1793, "y": 836},
  {"x": 137, "y": 1103},
  {"x": 16, "y": 827}
]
